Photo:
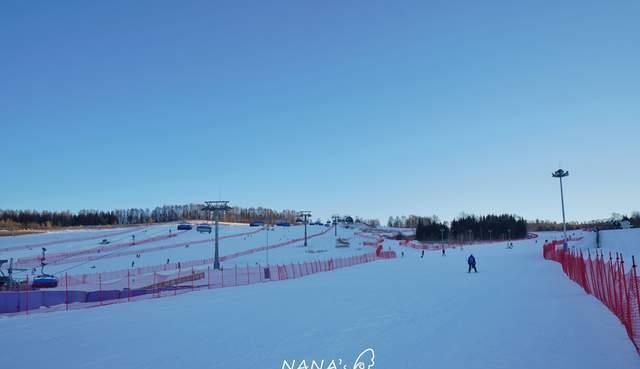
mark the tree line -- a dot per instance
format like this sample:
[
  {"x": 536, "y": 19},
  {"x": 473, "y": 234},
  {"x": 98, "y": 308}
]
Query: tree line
[
  {"x": 33, "y": 219},
  {"x": 488, "y": 227},
  {"x": 464, "y": 228}
]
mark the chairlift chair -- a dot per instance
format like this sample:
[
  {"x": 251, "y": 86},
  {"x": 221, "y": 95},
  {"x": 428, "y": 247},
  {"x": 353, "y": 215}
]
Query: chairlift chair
[{"x": 44, "y": 280}]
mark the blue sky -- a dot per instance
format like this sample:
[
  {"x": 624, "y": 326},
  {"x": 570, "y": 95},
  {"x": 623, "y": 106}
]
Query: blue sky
[{"x": 367, "y": 108}]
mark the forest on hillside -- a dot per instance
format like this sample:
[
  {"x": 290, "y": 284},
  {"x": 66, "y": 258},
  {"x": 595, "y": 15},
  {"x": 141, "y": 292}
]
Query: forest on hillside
[
  {"x": 33, "y": 219},
  {"x": 464, "y": 228}
]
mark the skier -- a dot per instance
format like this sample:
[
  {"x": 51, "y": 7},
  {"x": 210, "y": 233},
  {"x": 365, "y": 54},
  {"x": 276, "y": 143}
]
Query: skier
[
  {"x": 133, "y": 263},
  {"x": 472, "y": 263},
  {"x": 167, "y": 260},
  {"x": 443, "y": 252},
  {"x": 422, "y": 256},
  {"x": 402, "y": 253}
]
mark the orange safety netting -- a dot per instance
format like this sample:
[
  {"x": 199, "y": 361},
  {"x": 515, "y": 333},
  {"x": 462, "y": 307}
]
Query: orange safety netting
[{"x": 604, "y": 277}]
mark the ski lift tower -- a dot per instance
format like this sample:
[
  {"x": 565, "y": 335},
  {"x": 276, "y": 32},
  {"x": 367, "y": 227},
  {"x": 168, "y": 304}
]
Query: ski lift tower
[
  {"x": 305, "y": 215},
  {"x": 335, "y": 218},
  {"x": 8, "y": 279},
  {"x": 560, "y": 173},
  {"x": 216, "y": 207}
]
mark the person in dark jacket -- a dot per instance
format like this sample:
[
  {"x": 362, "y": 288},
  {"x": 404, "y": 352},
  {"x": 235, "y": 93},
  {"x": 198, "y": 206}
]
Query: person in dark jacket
[
  {"x": 472, "y": 263},
  {"x": 422, "y": 256}
]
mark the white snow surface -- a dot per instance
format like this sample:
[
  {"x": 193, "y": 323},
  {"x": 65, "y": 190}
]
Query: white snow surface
[
  {"x": 624, "y": 241},
  {"x": 519, "y": 312}
]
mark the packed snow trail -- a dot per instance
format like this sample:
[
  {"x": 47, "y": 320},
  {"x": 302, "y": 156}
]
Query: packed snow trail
[
  {"x": 518, "y": 312},
  {"x": 106, "y": 234}
]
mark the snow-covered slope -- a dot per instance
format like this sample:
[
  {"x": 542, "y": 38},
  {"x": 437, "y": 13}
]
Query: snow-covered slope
[{"x": 519, "y": 311}]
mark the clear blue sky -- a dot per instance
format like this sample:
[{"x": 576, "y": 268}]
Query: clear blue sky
[{"x": 367, "y": 108}]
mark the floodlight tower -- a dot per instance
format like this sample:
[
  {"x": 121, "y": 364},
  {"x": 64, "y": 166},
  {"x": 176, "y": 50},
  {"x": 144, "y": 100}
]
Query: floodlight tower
[
  {"x": 216, "y": 207},
  {"x": 305, "y": 215},
  {"x": 560, "y": 173}
]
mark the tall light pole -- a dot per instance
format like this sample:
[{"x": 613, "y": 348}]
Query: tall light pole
[
  {"x": 216, "y": 207},
  {"x": 305, "y": 218},
  {"x": 267, "y": 228},
  {"x": 561, "y": 174},
  {"x": 490, "y": 237},
  {"x": 267, "y": 270}
]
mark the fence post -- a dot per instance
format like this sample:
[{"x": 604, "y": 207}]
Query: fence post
[
  {"x": 627, "y": 299},
  {"x": 175, "y": 288},
  {"x": 634, "y": 274},
  {"x": 221, "y": 278},
  {"x": 248, "y": 275},
  {"x": 26, "y": 296},
  {"x": 208, "y": 277},
  {"x": 193, "y": 278},
  {"x": 620, "y": 304},
  {"x": 128, "y": 285},
  {"x": 100, "y": 286},
  {"x": 612, "y": 283},
  {"x": 66, "y": 292}
]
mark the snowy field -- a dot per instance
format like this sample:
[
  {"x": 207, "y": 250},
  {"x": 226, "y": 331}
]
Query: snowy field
[
  {"x": 79, "y": 252},
  {"x": 519, "y": 311},
  {"x": 625, "y": 241}
]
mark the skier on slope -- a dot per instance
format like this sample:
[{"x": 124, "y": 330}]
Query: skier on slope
[
  {"x": 472, "y": 263},
  {"x": 422, "y": 256},
  {"x": 443, "y": 252}
]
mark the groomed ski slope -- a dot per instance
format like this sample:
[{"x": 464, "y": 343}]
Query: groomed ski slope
[
  {"x": 520, "y": 312},
  {"x": 181, "y": 246}
]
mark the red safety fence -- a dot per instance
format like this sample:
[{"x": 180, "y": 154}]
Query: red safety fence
[
  {"x": 92, "y": 278},
  {"x": 162, "y": 284},
  {"x": 605, "y": 278}
]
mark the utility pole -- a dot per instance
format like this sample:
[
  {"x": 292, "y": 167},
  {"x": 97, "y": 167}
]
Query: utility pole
[
  {"x": 216, "y": 207},
  {"x": 305, "y": 218},
  {"x": 490, "y": 238},
  {"x": 560, "y": 173}
]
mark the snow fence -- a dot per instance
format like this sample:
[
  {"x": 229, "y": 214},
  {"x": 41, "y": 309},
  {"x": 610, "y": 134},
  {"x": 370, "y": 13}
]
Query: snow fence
[
  {"x": 605, "y": 278},
  {"x": 162, "y": 284}
]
